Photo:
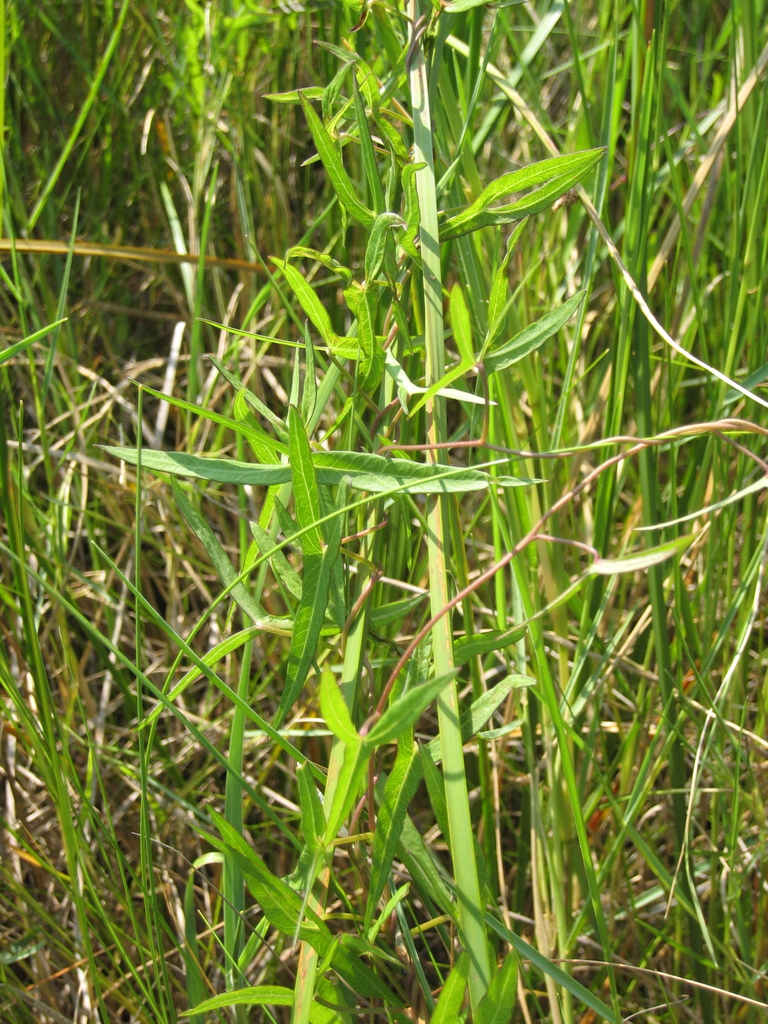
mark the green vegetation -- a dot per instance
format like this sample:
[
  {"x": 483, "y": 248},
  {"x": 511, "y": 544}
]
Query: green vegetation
[{"x": 383, "y": 541}]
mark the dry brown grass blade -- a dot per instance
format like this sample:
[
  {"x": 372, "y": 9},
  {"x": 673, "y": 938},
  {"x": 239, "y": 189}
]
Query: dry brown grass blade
[{"x": 123, "y": 252}]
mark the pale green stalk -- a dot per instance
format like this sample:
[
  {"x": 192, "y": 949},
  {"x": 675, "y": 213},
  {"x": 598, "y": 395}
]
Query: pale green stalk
[{"x": 461, "y": 839}]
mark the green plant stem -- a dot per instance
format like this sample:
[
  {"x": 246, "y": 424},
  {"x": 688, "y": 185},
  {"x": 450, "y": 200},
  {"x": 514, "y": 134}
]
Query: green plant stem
[{"x": 461, "y": 839}]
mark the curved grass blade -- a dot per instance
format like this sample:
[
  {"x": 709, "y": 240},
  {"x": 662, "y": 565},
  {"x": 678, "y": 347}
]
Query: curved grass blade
[
  {"x": 20, "y": 346},
  {"x": 527, "y": 952}
]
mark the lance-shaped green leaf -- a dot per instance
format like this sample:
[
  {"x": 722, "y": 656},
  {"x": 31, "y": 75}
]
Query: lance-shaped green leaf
[
  {"x": 459, "y": 6},
  {"x": 451, "y": 998},
  {"x": 474, "y": 717},
  {"x": 366, "y": 472},
  {"x": 324, "y": 258},
  {"x": 285, "y": 910},
  {"x": 499, "y": 1001},
  {"x": 255, "y": 995},
  {"x": 368, "y": 84},
  {"x": 312, "y": 816},
  {"x": 334, "y": 167},
  {"x": 404, "y": 712},
  {"x": 641, "y": 559},
  {"x": 531, "y": 338},
  {"x": 364, "y": 135},
  {"x": 554, "y": 176},
  {"x": 281, "y": 567},
  {"x": 420, "y": 863},
  {"x": 398, "y": 793},
  {"x": 395, "y": 611},
  {"x": 407, "y": 238},
  {"x": 336, "y": 611},
  {"x": 349, "y": 785},
  {"x": 319, "y": 559},
  {"x": 477, "y": 644},
  {"x": 462, "y": 325},
  {"x": 462, "y": 334},
  {"x": 309, "y": 391},
  {"x": 253, "y": 400},
  {"x": 312, "y": 92},
  {"x": 334, "y": 710},
  {"x": 500, "y": 300},
  {"x": 306, "y": 496},
  {"x": 436, "y": 791},
  {"x": 377, "y": 240},
  {"x": 355, "y": 756},
  {"x": 310, "y": 303},
  {"x": 371, "y": 359}
]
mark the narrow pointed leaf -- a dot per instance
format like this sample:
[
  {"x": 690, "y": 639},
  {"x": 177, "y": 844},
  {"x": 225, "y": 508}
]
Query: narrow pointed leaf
[
  {"x": 334, "y": 710},
  {"x": 348, "y": 787},
  {"x": 324, "y": 258},
  {"x": 415, "y": 854},
  {"x": 398, "y": 793},
  {"x": 406, "y": 710},
  {"x": 499, "y": 299},
  {"x": 407, "y": 238},
  {"x": 475, "y": 717},
  {"x": 310, "y": 303},
  {"x": 217, "y": 555},
  {"x": 529, "y": 339},
  {"x": 554, "y": 176},
  {"x": 281, "y": 567},
  {"x": 373, "y": 473},
  {"x": 309, "y": 391},
  {"x": 371, "y": 358},
  {"x": 498, "y": 1004},
  {"x": 377, "y": 240},
  {"x": 468, "y": 647},
  {"x": 319, "y": 560},
  {"x": 642, "y": 559},
  {"x": 451, "y": 998},
  {"x": 364, "y": 134},
  {"x": 258, "y": 995},
  {"x": 461, "y": 324},
  {"x": 306, "y": 497},
  {"x": 334, "y": 167},
  {"x": 312, "y": 817}
]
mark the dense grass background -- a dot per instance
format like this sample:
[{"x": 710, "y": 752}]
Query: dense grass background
[{"x": 617, "y": 792}]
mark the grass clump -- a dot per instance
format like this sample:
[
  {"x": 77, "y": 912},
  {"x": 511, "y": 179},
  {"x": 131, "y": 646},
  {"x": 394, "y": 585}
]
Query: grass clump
[{"x": 383, "y": 535}]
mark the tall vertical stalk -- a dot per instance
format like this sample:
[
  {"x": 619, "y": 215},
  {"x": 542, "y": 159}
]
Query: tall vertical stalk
[{"x": 461, "y": 839}]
